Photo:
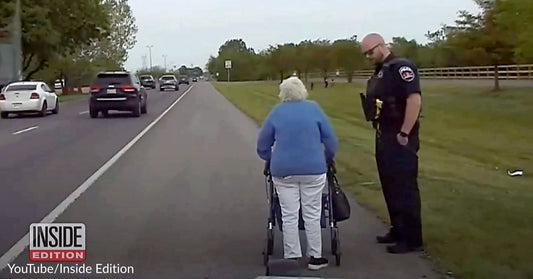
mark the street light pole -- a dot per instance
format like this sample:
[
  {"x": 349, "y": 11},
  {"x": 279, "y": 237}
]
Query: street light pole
[
  {"x": 165, "y": 58},
  {"x": 150, "y": 51}
]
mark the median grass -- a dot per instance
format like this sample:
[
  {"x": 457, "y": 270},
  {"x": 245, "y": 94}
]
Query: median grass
[
  {"x": 63, "y": 98},
  {"x": 477, "y": 220}
]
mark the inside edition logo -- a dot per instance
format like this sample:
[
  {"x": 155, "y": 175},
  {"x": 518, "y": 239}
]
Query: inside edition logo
[{"x": 55, "y": 242}]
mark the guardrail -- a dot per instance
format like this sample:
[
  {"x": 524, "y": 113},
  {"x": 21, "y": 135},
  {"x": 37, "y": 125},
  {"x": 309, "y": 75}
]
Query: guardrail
[{"x": 505, "y": 72}]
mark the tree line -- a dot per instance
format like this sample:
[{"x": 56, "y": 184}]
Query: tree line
[
  {"x": 72, "y": 40},
  {"x": 158, "y": 71},
  {"x": 502, "y": 33}
]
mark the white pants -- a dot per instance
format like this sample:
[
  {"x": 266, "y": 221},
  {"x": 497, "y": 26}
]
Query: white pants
[{"x": 307, "y": 190}]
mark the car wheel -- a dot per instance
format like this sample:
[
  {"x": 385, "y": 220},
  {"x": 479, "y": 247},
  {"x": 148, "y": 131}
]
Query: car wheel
[
  {"x": 43, "y": 109},
  {"x": 105, "y": 113},
  {"x": 56, "y": 109},
  {"x": 137, "y": 110},
  {"x": 4, "y": 114},
  {"x": 160, "y": 89},
  {"x": 93, "y": 112},
  {"x": 143, "y": 108}
]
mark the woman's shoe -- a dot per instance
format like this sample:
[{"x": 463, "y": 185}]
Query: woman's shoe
[{"x": 317, "y": 263}]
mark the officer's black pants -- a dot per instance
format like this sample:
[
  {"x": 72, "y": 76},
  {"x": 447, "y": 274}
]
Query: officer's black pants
[{"x": 398, "y": 173}]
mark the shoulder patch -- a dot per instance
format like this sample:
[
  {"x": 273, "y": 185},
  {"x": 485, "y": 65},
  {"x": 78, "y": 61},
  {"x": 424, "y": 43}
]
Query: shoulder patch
[{"x": 407, "y": 73}]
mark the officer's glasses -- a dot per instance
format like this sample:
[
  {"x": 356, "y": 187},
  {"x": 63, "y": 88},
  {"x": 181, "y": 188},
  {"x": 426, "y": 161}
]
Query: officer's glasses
[{"x": 370, "y": 52}]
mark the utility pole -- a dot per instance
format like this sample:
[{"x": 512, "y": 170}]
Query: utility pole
[
  {"x": 150, "y": 51},
  {"x": 165, "y": 59},
  {"x": 144, "y": 61}
]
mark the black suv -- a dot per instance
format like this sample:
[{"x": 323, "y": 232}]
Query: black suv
[
  {"x": 117, "y": 91},
  {"x": 184, "y": 80},
  {"x": 168, "y": 81},
  {"x": 147, "y": 81}
]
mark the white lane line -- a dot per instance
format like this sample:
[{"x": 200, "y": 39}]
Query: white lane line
[
  {"x": 19, "y": 247},
  {"x": 84, "y": 112},
  {"x": 25, "y": 130}
]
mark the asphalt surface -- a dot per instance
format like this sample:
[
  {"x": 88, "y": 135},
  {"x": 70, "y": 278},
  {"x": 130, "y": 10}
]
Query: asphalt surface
[{"x": 187, "y": 200}]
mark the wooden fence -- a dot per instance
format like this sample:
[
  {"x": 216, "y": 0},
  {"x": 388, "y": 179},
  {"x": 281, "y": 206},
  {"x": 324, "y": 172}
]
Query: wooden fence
[{"x": 505, "y": 72}]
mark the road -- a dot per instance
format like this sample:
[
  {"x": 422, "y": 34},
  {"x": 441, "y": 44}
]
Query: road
[{"x": 185, "y": 200}]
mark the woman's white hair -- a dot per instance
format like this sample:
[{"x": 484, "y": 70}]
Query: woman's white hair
[{"x": 292, "y": 89}]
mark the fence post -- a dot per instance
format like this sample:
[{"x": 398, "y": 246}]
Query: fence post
[{"x": 496, "y": 79}]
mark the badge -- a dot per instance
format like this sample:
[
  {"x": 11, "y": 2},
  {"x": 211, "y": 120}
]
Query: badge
[
  {"x": 380, "y": 74},
  {"x": 407, "y": 73}
]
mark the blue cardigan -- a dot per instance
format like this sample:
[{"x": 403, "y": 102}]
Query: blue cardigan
[{"x": 292, "y": 136}]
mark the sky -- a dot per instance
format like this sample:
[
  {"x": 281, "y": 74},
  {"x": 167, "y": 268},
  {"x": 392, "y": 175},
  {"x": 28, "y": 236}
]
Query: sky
[{"x": 188, "y": 32}]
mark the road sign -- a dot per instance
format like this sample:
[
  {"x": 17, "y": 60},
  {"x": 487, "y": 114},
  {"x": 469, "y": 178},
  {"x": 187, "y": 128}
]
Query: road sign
[{"x": 228, "y": 64}]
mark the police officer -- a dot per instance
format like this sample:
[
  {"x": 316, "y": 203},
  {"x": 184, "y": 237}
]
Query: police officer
[{"x": 393, "y": 103}]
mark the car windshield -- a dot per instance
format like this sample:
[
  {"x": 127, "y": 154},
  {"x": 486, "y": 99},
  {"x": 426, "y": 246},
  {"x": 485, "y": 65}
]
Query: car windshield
[
  {"x": 145, "y": 77},
  {"x": 167, "y": 78},
  {"x": 21, "y": 87}
]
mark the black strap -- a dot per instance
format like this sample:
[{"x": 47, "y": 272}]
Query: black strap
[{"x": 266, "y": 170}]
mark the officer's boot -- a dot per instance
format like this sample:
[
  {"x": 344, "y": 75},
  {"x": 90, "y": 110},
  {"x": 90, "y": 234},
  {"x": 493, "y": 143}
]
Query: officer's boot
[{"x": 388, "y": 238}]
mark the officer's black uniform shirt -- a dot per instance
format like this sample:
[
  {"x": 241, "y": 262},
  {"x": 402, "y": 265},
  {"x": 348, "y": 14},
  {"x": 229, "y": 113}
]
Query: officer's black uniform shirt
[{"x": 397, "y": 79}]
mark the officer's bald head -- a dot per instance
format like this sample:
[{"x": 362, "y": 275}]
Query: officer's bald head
[
  {"x": 371, "y": 40},
  {"x": 374, "y": 48}
]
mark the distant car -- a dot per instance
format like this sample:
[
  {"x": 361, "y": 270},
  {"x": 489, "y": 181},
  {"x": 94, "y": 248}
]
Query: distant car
[
  {"x": 147, "y": 81},
  {"x": 117, "y": 91},
  {"x": 194, "y": 79},
  {"x": 28, "y": 96},
  {"x": 184, "y": 80},
  {"x": 168, "y": 81}
]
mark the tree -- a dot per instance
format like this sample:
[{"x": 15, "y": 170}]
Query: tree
[
  {"x": 183, "y": 70},
  {"x": 516, "y": 17},
  {"x": 347, "y": 55},
  {"x": 282, "y": 58},
  {"x": 113, "y": 48},
  {"x": 304, "y": 61},
  {"x": 156, "y": 71},
  {"x": 80, "y": 63},
  {"x": 242, "y": 61},
  {"x": 321, "y": 56},
  {"x": 402, "y": 47},
  {"x": 58, "y": 27},
  {"x": 482, "y": 40},
  {"x": 197, "y": 71},
  {"x": 7, "y": 10},
  {"x": 211, "y": 64},
  {"x": 438, "y": 52}
]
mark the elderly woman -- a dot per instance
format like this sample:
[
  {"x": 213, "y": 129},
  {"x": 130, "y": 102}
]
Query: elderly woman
[{"x": 299, "y": 129}]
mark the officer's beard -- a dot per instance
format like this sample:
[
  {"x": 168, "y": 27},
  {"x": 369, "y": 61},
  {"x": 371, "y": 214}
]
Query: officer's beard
[{"x": 378, "y": 61}]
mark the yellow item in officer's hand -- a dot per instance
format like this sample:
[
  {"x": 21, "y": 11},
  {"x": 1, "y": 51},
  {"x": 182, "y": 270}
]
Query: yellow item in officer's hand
[{"x": 379, "y": 105}]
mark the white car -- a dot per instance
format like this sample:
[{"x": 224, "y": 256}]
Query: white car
[{"x": 28, "y": 96}]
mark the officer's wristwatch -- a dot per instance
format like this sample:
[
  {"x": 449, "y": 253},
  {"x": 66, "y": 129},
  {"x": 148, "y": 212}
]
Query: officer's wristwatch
[{"x": 403, "y": 134}]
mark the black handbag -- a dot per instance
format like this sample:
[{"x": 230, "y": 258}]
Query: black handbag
[{"x": 341, "y": 207}]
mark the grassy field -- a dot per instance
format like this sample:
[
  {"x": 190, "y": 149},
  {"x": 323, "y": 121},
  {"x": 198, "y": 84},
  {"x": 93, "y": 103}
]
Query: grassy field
[
  {"x": 72, "y": 97},
  {"x": 477, "y": 220}
]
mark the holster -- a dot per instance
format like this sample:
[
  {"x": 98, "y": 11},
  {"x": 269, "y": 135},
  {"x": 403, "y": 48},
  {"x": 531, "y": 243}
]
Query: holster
[{"x": 371, "y": 107}]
